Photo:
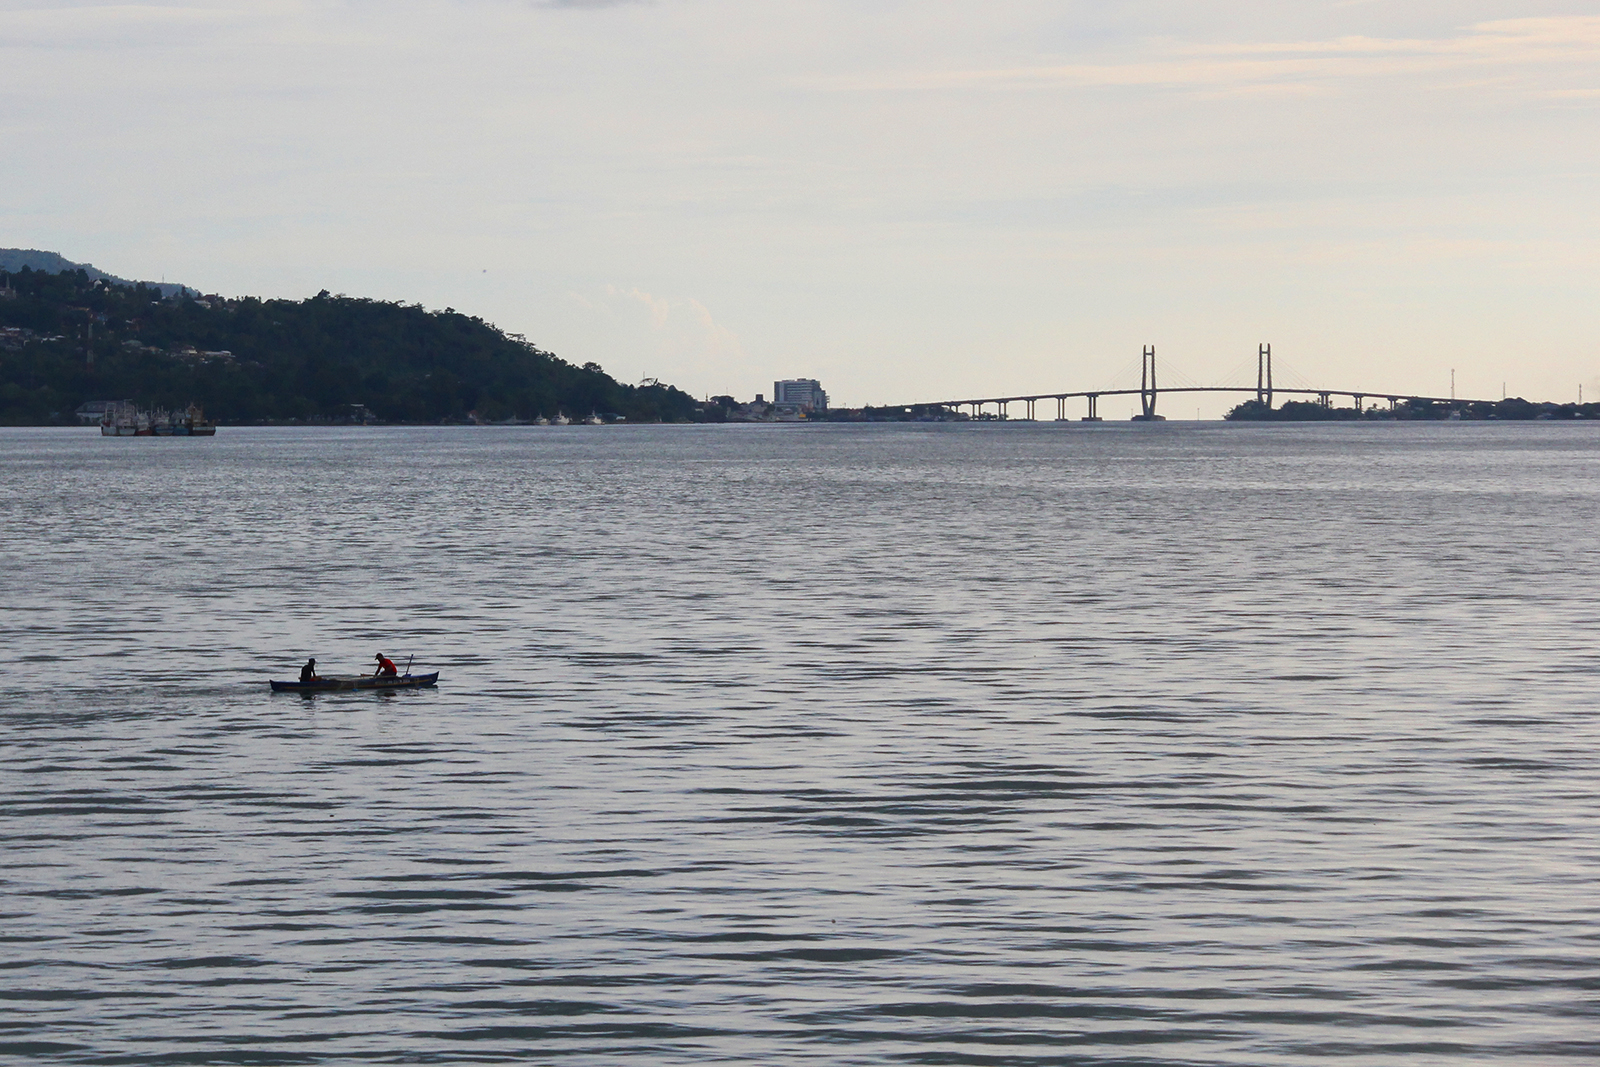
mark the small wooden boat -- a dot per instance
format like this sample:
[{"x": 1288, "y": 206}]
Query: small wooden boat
[{"x": 359, "y": 681}]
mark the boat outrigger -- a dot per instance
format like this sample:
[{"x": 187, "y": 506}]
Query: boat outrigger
[{"x": 359, "y": 681}]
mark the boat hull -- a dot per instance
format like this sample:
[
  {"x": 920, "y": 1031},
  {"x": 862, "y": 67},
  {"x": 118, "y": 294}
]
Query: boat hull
[
  {"x": 125, "y": 420},
  {"x": 362, "y": 681}
]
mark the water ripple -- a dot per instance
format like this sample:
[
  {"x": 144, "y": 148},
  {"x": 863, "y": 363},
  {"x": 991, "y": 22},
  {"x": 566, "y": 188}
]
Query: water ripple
[{"x": 996, "y": 745}]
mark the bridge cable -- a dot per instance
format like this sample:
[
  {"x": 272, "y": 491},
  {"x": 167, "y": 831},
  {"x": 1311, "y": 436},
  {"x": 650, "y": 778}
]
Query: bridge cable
[
  {"x": 1242, "y": 376},
  {"x": 1168, "y": 372},
  {"x": 1125, "y": 375},
  {"x": 1286, "y": 377}
]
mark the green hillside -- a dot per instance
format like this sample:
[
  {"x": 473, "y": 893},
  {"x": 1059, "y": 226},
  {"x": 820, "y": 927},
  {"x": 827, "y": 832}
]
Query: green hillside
[
  {"x": 15, "y": 259},
  {"x": 67, "y": 338}
]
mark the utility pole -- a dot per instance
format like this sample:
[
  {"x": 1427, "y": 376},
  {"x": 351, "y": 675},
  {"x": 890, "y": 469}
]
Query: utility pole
[{"x": 1452, "y": 383}]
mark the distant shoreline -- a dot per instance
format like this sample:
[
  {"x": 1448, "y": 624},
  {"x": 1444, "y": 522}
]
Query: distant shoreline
[{"x": 1073, "y": 424}]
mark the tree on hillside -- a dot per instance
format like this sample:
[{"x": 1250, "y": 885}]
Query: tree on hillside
[{"x": 69, "y": 339}]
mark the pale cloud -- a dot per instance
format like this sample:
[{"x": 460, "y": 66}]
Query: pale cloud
[
  {"x": 80, "y": 25},
  {"x": 679, "y": 339},
  {"x": 720, "y": 341},
  {"x": 1535, "y": 46},
  {"x": 1036, "y": 189},
  {"x": 660, "y": 308}
]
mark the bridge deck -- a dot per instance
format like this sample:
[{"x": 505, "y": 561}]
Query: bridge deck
[{"x": 1096, "y": 393}]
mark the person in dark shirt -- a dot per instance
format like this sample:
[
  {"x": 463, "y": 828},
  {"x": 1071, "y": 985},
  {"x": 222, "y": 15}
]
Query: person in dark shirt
[
  {"x": 308, "y": 673},
  {"x": 385, "y": 666}
]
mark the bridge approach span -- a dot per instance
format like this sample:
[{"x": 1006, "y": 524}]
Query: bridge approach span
[
  {"x": 1148, "y": 391},
  {"x": 1093, "y": 395}
]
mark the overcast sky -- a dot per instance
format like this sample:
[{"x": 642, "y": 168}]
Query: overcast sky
[{"x": 909, "y": 201}]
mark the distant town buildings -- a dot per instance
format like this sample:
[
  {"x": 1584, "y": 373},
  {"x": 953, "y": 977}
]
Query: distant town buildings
[
  {"x": 801, "y": 395},
  {"x": 793, "y": 400}
]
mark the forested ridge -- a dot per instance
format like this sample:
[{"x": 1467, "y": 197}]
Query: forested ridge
[
  {"x": 1511, "y": 408},
  {"x": 67, "y": 338}
]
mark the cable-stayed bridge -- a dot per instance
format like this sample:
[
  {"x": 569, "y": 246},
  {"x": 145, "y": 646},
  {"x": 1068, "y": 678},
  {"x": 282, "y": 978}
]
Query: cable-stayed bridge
[{"x": 1149, "y": 391}]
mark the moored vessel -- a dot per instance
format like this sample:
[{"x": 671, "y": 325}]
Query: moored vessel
[{"x": 127, "y": 420}]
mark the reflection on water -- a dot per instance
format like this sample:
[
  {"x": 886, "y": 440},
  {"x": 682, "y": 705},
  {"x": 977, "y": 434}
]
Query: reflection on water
[{"x": 1014, "y": 745}]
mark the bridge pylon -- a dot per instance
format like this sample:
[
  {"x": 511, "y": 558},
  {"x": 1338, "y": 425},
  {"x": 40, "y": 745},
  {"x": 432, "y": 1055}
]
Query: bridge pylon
[
  {"x": 1264, "y": 375},
  {"x": 1147, "y": 385}
]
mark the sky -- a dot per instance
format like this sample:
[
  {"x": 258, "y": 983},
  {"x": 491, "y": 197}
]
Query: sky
[{"x": 908, "y": 201}]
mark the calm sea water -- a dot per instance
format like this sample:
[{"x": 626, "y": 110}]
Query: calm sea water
[{"x": 993, "y": 745}]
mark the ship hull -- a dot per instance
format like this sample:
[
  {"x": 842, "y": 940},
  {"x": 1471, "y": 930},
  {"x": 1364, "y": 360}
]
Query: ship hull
[
  {"x": 131, "y": 423},
  {"x": 359, "y": 682}
]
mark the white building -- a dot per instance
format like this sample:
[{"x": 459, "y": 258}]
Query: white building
[
  {"x": 804, "y": 393},
  {"x": 91, "y": 413}
]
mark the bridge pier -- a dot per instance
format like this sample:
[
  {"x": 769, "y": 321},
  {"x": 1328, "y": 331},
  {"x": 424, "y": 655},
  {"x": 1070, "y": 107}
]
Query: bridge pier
[
  {"x": 1358, "y": 398},
  {"x": 1264, "y": 375},
  {"x": 1325, "y": 400},
  {"x": 1093, "y": 399},
  {"x": 1147, "y": 386},
  {"x": 1030, "y": 410}
]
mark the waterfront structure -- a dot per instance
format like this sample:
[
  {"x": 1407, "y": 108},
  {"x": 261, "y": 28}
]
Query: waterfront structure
[
  {"x": 124, "y": 419},
  {"x": 803, "y": 394},
  {"x": 94, "y": 412}
]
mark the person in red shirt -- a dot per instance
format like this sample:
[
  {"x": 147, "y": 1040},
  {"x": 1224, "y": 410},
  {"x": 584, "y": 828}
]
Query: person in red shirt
[{"x": 385, "y": 666}]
